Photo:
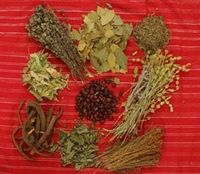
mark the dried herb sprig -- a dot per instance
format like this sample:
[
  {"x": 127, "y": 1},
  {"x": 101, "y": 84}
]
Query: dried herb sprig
[
  {"x": 43, "y": 79},
  {"x": 159, "y": 78},
  {"x": 144, "y": 151},
  {"x": 45, "y": 27},
  {"x": 36, "y": 131}
]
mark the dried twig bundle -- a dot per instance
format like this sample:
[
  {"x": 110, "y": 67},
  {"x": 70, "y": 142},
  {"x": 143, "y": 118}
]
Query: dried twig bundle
[
  {"x": 45, "y": 27},
  {"x": 144, "y": 151}
]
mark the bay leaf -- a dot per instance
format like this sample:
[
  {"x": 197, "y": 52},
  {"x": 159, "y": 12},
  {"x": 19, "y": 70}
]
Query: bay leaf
[
  {"x": 102, "y": 54},
  {"x": 114, "y": 47},
  {"x": 81, "y": 45},
  {"x": 94, "y": 63},
  {"x": 104, "y": 67},
  {"x": 117, "y": 20},
  {"x": 109, "y": 33},
  {"x": 121, "y": 59},
  {"x": 111, "y": 60},
  {"x": 100, "y": 11},
  {"x": 107, "y": 16}
]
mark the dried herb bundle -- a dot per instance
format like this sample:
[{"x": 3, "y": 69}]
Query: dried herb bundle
[
  {"x": 96, "y": 101},
  {"x": 102, "y": 39},
  {"x": 144, "y": 151},
  {"x": 45, "y": 27},
  {"x": 36, "y": 131},
  {"x": 151, "y": 34},
  {"x": 43, "y": 79},
  {"x": 78, "y": 147},
  {"x": 159, "y": 78}
]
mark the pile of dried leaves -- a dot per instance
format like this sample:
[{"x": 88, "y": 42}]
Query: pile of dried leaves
[
  {"x": 78, "y": 147},
  {"x": 43, "y": 79},
  {"x": 102, "y": 39}
]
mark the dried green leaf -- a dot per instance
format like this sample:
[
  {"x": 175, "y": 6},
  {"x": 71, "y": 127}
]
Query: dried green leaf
[
  {"x": 43, "y": 79},
  {"x": 107, "y": 16},
  {"x": 109, "y": 33},
  {"x": 121, "y": 59},
  {"x": 116, "y": 81},
  {"x": 75, "y": 35},
  {"x": 117, "y": 20},
  {"x": 111, "y": 60},
  {"x": 104, "y": 67},
  {"x": 81, "y": 45}
]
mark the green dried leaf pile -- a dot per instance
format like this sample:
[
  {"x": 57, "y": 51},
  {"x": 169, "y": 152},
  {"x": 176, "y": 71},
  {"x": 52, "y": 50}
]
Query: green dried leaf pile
[
  {"x": 43, "y": 79},
  {"x": 102, "y": 39},
  {"x": 78, "y": 147}
]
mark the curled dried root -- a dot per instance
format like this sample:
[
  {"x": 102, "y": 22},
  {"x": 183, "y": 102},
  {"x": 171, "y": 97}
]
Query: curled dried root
[{"x": 36, "y": 132}]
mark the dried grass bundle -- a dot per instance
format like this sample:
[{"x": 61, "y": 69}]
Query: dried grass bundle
[{"x": 144, "y": 151}]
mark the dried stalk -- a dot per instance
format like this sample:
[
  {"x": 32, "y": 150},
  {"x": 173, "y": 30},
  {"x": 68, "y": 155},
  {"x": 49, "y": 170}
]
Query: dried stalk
[
  {"x": 45, "y": 27},
  {"x": 159, "y": 78},
  {"x": 144, "y": 151}
]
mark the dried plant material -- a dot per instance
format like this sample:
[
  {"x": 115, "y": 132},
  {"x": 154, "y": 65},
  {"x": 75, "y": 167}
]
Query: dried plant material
[
  {"x": 144, "y": 151},
  {"x": 116, "y": 80},
  {"x": 151, "y": 34},
  {"x": 102, "y": 39},
  {"x": 36, "y": 131},
  {"x": 78, "y": 147},
  {"x": 159, "y": 78},
  {"x": 45, "y": 27},
  {"x": 43, "y": 79}
]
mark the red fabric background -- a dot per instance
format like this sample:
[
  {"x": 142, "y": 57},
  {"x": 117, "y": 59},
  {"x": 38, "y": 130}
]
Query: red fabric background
[{"x": 181, "y": 151}]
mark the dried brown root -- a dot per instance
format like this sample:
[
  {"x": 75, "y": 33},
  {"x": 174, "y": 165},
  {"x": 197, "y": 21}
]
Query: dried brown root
[{"x": 37, "y": 130}]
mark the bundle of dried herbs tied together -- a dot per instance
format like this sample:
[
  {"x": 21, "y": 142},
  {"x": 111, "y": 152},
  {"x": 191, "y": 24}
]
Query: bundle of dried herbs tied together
[
  {"x": 45, "y": 27},
  {"x": 36, "y": 131}
]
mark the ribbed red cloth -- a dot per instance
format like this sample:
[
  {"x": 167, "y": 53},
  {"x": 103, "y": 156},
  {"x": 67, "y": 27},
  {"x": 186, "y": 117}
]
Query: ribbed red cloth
[{"x": 181, "y": 151}]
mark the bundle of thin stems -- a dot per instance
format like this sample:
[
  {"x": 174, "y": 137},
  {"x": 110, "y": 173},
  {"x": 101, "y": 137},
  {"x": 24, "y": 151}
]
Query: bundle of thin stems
[
  {"x": 144, "y": 151},
  {"x": 159, "y": 78}
]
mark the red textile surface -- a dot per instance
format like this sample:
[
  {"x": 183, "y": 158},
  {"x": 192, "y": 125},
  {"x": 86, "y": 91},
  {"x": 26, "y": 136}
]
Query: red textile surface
[{"x": 181, "y": 151}]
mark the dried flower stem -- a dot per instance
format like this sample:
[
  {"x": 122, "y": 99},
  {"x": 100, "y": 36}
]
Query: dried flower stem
[{"x": 160, "y": 73}]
